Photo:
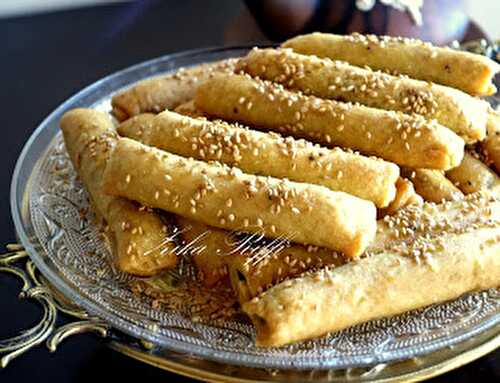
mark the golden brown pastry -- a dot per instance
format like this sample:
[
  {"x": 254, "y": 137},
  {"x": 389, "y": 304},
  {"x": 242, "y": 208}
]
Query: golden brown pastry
[
  {"x": 491, "y": 145},
  {"x": 405, "y": 195},
  {"x": 260, "y": 264},
  {"x": 209, "y": 247},
  {"x": 338, "y": 80},
  {"x": 473, "y": 175},
  {"x": 140, "y": 237},
  {"x": 466, "y": 71},
  {"x": 432, "y": 185},
  {"x": 165, "y": 92},
  {"x": 407, "y": 140},
  {"x": 225, "y": 197},
  {"x": 266, "y": 154},
  {"x": 189, "y": 109},
  {"x": 441, "y": 260}
]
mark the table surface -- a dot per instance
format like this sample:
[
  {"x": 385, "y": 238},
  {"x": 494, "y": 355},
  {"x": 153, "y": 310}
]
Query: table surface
[{"x": 47, "y": 58}]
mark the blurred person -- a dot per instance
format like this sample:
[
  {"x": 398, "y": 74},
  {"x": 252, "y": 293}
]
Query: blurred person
[{"x": 439, "y": 21}]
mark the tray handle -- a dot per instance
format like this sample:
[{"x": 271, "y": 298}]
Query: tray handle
[{"x": 16, "y": 262}]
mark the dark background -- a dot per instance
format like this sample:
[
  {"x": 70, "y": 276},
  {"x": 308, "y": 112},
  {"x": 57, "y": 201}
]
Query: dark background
[{"x": 46, "y": 58}]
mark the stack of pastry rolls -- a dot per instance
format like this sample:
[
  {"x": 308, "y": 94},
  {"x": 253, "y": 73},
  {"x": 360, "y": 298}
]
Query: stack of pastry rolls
[
  {"x": 274, "y": 168},
  {"x": 141, "y": 238}
]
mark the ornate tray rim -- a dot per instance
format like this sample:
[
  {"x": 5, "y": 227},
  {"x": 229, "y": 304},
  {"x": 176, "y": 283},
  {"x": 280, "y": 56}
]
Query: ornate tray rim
[
  {"x": 175, "y": 345},
  {"x": 428, "y": 365}
]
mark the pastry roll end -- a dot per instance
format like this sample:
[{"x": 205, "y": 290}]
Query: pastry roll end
[
  {"x": 432, "y": 185},
  {"x": 209, "y": 248},
  {"x": 441, "y": 263},
  {"x": 405, "y": 195},
  {"x": 139, "y": 236},
  {"x": 472, "y": 175},
  {"x": 141, "y": 245},
  {"x": 491, "y": 145}
]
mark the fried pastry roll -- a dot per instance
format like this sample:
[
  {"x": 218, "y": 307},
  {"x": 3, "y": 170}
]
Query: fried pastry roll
[
  {"x": 410, "y": 275},
  {"x": 338, "y": 80},
  {"x": 266, "y": 154},
  {"x": 165, "y": 92},
  {"x": 432, "y": 185},
  {"x": 405, "y": 195},
  {"x": 473, "y": 175},
  {"x": 209, "y": 248},
  {"x": 140, "y": 237},
  {"x": 257, "y": 265},
  {"x": 224, "y": 197},
  {"x": 491, "y": 145},
  {"x": 407, "y": 140},
  {"x": 466, "y": 71},
  {"x": 189, "y": 109}
]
